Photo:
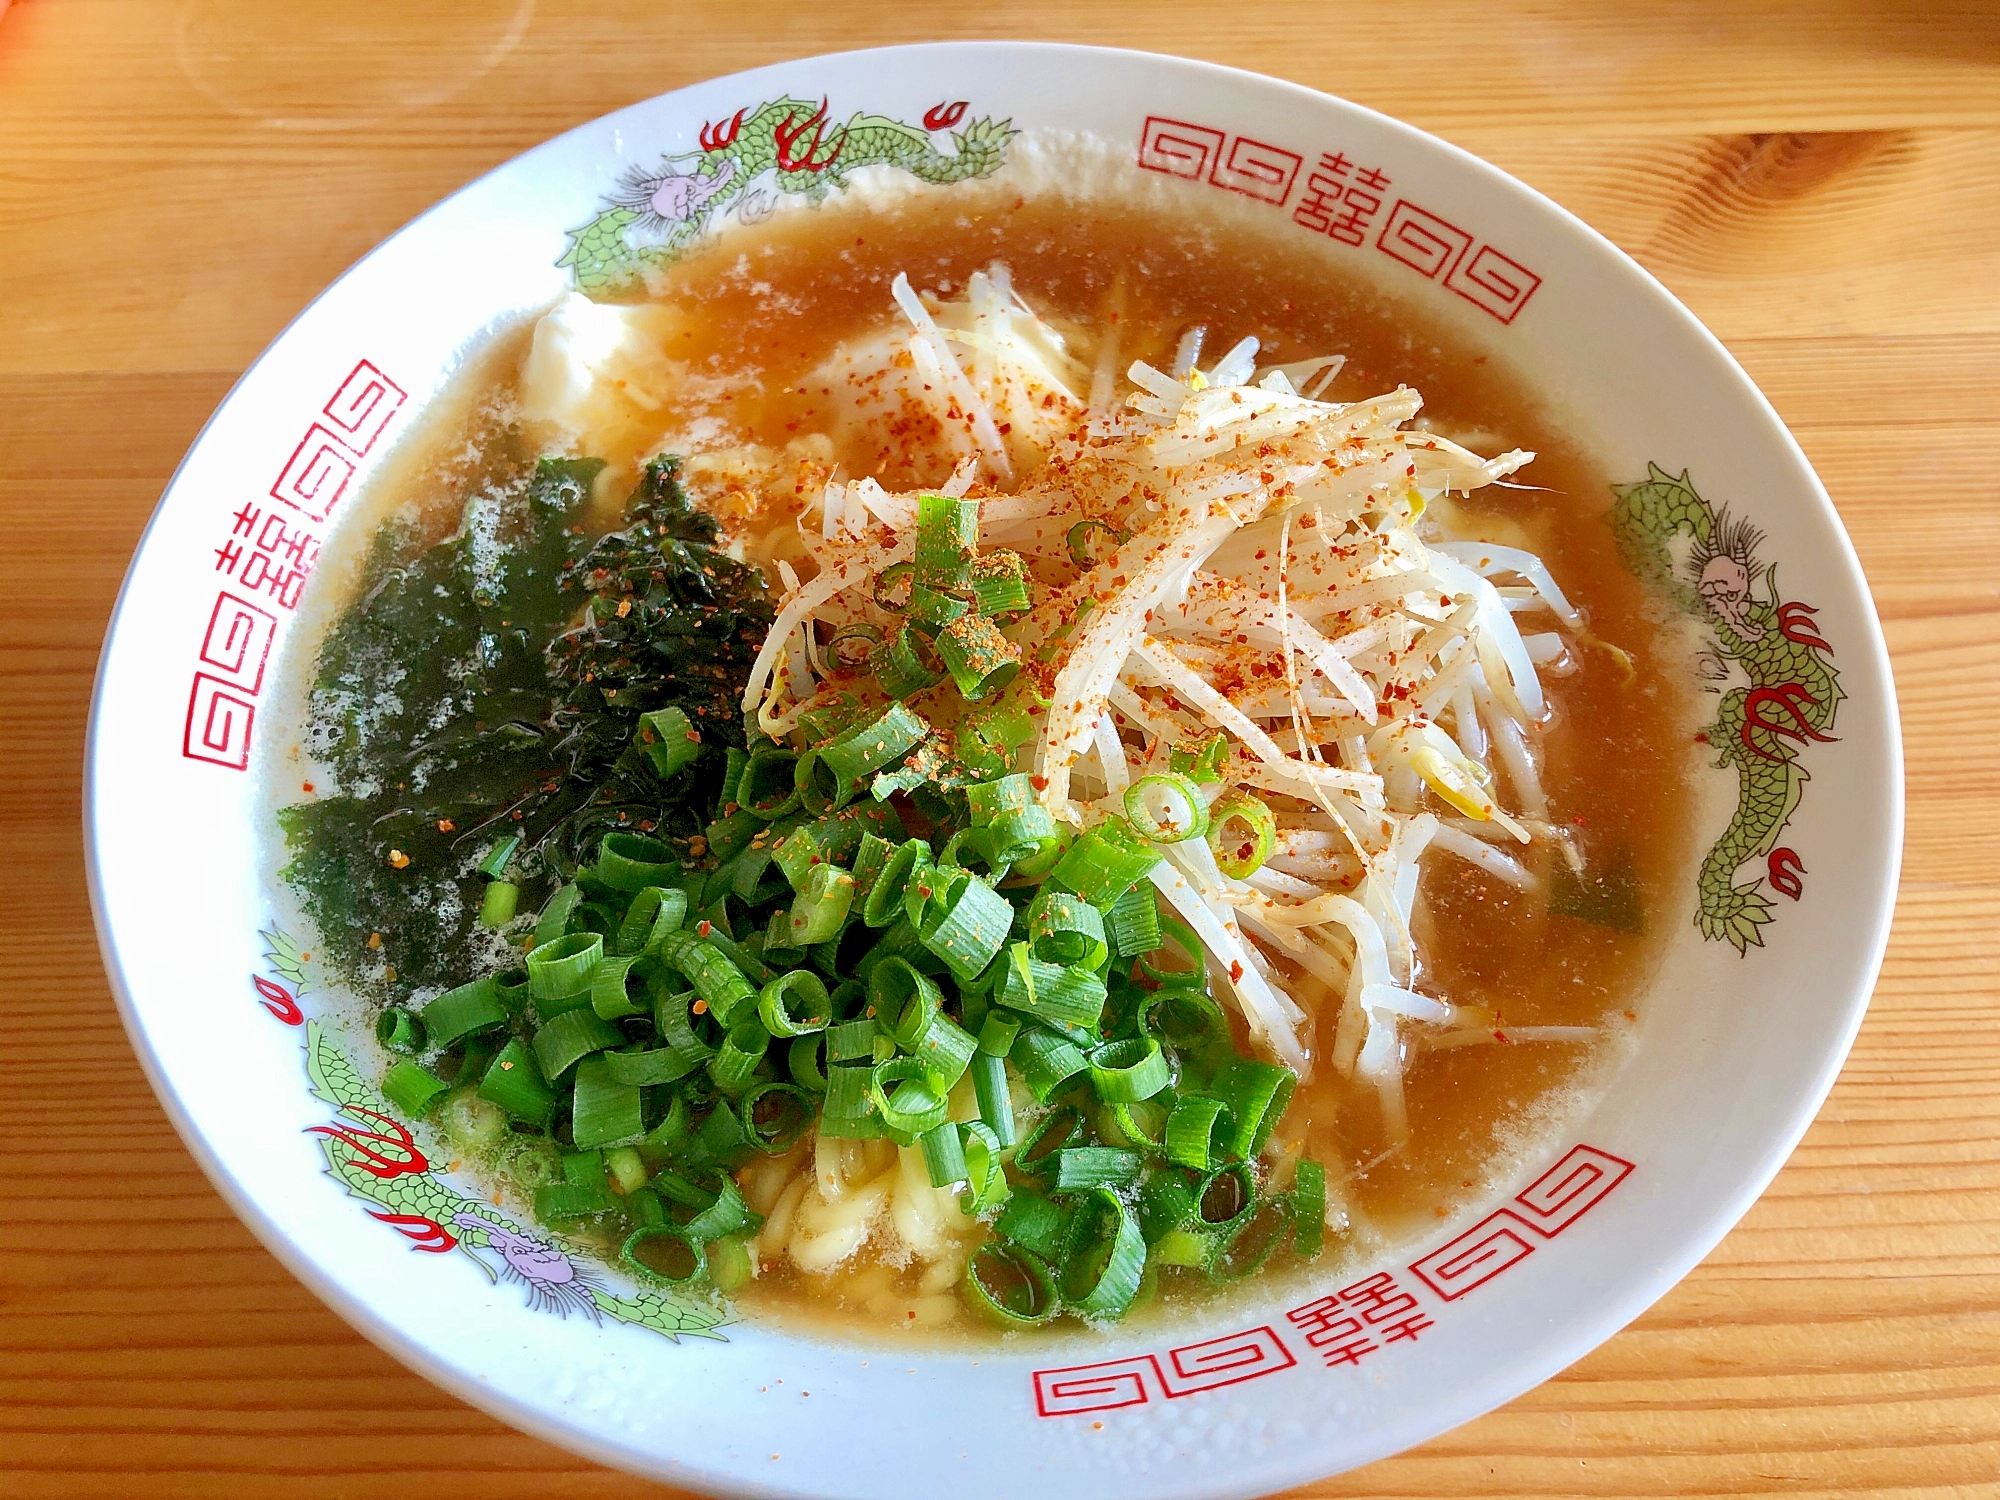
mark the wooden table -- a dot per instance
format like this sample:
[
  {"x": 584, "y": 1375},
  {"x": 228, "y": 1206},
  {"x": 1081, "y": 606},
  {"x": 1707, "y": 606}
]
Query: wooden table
[{"x": 1821, "y": 184}]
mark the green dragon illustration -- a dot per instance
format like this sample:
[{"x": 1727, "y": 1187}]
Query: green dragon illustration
[
  {"x": 748, "y": 161},
  {"x": 374, "y": 1156},
  {"x": 1760, "y": 729}
]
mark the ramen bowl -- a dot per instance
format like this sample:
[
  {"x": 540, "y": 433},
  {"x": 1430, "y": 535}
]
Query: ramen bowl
[{"x": 1764, "y": 980}]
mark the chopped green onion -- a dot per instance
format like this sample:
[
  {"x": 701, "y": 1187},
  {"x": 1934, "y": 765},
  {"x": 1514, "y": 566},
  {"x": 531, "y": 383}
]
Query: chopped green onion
[
  {"x": 803, "y": 1060},
  {"x": 906, "y": 663},
  {"x": 1166, "y": 808},
  {"x": 654, "y": 912},
  {"x": 1141, "y": 1123},
  {"x": 997, "y": 1033},
  {"x": 1081, "y": 551},
  {"x": 412, "y": 1088},
  {"x": 610, "y": 996},
  {"x": 825, "y": 897},
  {"x": 769, "y": 788},
  {"x": 1046, "y": 1061},
  {"x": 1226, "y": 1197},
  {"x": 847, "y": 1097},
  {"x": 842, "y": 650},
  {"x": 1104, "y": 1256},
  {"x": 729, "y": 1263},
  {"x": 1242, "y": 833},
  {"x": 892, "y": 587},
  {"x": 1071, "y": 996},
  {"x": 944, "y": 1154},
  {"x": 570, "y": 1200},
  {"x": 514, "y": 1082},
  {"x": 1124, "y": 1072},
  {"x": 904, "y": 1000},
  {"x": 1256, "y": 1094},
  {"x": 399, "y": 1030},
  {"x": 1104, "y": 863},
  {"x": 1133, "y": 923},
  {"x": 980, "y": 659},
  {"x": 794, "y": 1004},
  {"x": 946, "y": 1050},
  {"x": 672, "y": 1134},
  {"x": 776, "y": 1115},
  {"x": 1184, "y": 1247},
  {"x": 607, "y": 1112},
  {"x": 1198, "y": 1131},
  {"x": 1065, "y": 929},
  {"x": 904, "y": 1097},
  {"x": 494, "y": 866},
  {"x": 663, "y": 1252},
  {"x": 999, "y": 582},
  {"x": 1009, "y": 1286},
  {"x": 985, "y": 1172},
  {"x": 860, "y": 753},
  {"x": 1081, "y": 1167},
  {"x": 1034, "y": 1223},
  {"x": 555, "y": 916},
  {"x": 1308, "y": 1197},
  {"x": 671, "y": 740},
  {"x": 646, "y": 1067},
  {"x": 968, "y": 926},
  {"x": 714, "y": 977},
  {"x": 947, "y": 540},
  {"x": 996, "y": 1103},
  {"x": 1200, "y": 760},
  {"x": 885, "y": 898},
  {"x": 831, "y": 839},
  {"x": 1037, "y": 865},
  {"x": 933, "y": 609},
  {"x": 720, "y": 1137},
  {"x": 472, "y": 1124},
  {"x": 1184, "y": 1019},
  {"x": 627, "y": 1169},
  {"x": 851, "y": 1041},
  {"x": 562, "y": 969},
  {"x": 1248, "y": 1248},
  {"x": 468, "y": 1009},
  {"x": 631, "y": 862},
  {"x": 498, "y": 905},
  {"x": 572, "y": 1035},
  {"x": 1059, "y": 1130},
  {"x": 735, "y": 1061}
]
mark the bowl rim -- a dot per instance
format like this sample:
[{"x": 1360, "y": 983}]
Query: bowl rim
[{"x": 1691, "y": 1241}]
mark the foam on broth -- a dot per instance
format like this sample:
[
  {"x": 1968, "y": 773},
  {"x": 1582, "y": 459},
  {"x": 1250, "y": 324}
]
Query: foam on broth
[{"x": 746, "y": 318}]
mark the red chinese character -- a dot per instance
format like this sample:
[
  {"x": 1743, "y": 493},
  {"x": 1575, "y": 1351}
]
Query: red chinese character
[
  {"x": 272, "y": 537},
  {"x": 1331, "y": 1329},
  {"x": 1386, "y": 1307},
  {"x": 227, "y": 556},
  {"x": 284, "y": 584},
  {"x": 1327, "y": 206},
  {"x": 1373, "y": 178},
  {"x": 246, "y": 521}
]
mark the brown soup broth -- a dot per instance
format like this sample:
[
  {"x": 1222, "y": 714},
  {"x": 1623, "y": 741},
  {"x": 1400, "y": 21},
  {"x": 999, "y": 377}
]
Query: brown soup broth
[{"x": 757, "y": 310}]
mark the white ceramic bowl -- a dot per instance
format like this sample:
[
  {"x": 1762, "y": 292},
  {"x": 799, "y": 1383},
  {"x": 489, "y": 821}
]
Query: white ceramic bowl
[{"x": 1735, "y": 1052}]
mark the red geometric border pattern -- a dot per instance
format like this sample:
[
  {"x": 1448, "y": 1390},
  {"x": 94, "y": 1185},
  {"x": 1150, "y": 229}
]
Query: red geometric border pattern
[
  {"x": 1344, "y": 1327},
  {"x": 236, "y": 647}
]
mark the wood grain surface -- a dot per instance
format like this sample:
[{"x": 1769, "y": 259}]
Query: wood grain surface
[{"x": 1820, "y": 183}]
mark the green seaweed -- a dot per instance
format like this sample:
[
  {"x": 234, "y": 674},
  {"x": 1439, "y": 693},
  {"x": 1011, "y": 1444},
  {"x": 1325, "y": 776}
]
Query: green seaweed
[{"x": 486, "y": 685}]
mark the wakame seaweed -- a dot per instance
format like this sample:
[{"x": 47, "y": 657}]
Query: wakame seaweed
[{"x": 490, "y": 685}]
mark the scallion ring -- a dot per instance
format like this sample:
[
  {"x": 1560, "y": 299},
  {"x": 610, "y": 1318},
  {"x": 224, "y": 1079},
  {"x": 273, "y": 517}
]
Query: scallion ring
[
  {"x": 905, "y": 1099},
  {"x": 1105, "y": 1256},
  {"x": 1080, "y": 536},
  {"x": 1242, "y": 833},
  {"x": 1008, "y": 1286},
  {"x": 853, "y": 644},
  {"x": 1167, "y": 807},
  {"x": 892, "y": 587},
  {"x": 1125, "y": 1072},
  {"x": 794, "y": 1004}
]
